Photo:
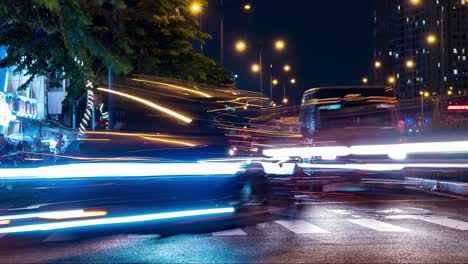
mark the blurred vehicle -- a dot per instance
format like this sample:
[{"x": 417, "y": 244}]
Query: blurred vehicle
[
  {"x": 349, "y": 115},
  {"x": 147, "y": 167}
]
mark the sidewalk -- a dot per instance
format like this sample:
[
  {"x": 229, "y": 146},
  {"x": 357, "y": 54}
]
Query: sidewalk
[{"x": 439, "y": 185}]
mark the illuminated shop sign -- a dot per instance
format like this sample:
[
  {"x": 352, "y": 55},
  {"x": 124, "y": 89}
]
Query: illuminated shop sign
[{"x": 458, "y": 108}]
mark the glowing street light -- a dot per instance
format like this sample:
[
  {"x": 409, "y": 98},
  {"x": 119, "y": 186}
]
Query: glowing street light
[
  {"x": 255, "y": 68},
  {"x": 287, "y": 68},
  {"x": 431, "y": 39},
  {"x": 241, "y": 46},
  {"x": 275, "y": 82},
  {"x": 293, "y": 81},
  {"x": 415, "y": 2},
  {"x": 280, "y": 45},
  {"x": 449, "y": 92},
  {"x": 409, "y": 64},
  {"x": 285, "y": 100},
  {"x": 247, "y": 7},
  {"x": 378, "y": 64},
  {"x": 391, "y": 80},
  {"x": 365, "y": 80},
  {"x": 195, "y": 8}
]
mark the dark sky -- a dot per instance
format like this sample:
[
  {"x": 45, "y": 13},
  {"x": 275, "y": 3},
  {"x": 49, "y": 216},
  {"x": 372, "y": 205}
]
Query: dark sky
[{"x": 329, "y": 42}]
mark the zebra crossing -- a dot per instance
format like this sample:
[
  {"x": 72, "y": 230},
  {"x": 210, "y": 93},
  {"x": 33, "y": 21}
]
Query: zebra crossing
[
  {"x": 382, "y": 224},
  {"x": 389, "y": 221}
]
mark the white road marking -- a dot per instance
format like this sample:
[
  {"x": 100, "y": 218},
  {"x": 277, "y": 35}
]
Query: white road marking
[
  {"x": 443, "y": 221},
  {"x": 232, "y": 232},
  {"x": 391, "y": 211},
  {"x": 378, "y": 225},
  {"x": 301, "y": 227},
  {"x": 341, "y": 212}
]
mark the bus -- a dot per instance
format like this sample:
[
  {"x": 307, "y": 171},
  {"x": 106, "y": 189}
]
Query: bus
[{"x": 349, "y": 115}]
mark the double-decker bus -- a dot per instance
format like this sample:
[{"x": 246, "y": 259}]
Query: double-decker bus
[{"x": 349, "y": 115}]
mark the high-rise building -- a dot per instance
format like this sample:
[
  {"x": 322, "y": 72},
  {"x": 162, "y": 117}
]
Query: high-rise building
[{"x": 423, "y": 45}]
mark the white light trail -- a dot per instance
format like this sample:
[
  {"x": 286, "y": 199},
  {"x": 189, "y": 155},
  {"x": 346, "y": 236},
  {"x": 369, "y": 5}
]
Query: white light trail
[
  {"x": 115, "y": 220},
  {"x": 121, "y": 169},
  {"x": 394, "y": 151},
  {"x": 384, "y": 166}
]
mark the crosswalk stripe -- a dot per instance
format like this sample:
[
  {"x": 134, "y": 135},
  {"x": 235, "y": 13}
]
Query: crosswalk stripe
[
  {"x": 341, "y": 212},
  {"x": 378, "y": 225},
  {"x": 443, "y": 221},
  {"x": 232, "y": 232},
  {"x": 301, "y": 227}
]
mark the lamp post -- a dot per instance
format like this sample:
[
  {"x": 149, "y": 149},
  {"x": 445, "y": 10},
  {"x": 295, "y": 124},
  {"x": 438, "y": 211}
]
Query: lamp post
[
  {"x": 241, "y": 46},
  {"x": 196, "y": 9},
  {"x": 422, "y": 95}
]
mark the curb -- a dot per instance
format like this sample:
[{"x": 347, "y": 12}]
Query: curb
[{"x": 451, "y": 187}]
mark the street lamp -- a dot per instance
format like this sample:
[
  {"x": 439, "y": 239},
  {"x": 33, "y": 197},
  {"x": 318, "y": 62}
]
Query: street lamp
[
  {"x": 287, "y": 68},
  {"x": 195, "y": 8},
  {"x": 258, "y": 68},
  {"x": 241, "y": 46},
  {"x": 247, "y": 7},
  {"x": 409, "y": 64},
  {"x": 422, "y": 95},
  {"x": 280, "y": 45},
  {"x": 255, "y": 68},
  {"x": 293, "y": 81},
  {"x": 275, "y": 82},
  {"x": 431, "y": 39},
  {"x": 365, "y": 80},
  {"x": 378, "y": 64},
  {"x": 391, "y": 80},
  {"x": 415, "y": 2}
]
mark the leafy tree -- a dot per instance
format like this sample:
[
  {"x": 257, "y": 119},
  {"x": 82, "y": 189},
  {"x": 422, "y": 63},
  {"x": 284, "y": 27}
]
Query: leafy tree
[{"x": 79, "y": 39}]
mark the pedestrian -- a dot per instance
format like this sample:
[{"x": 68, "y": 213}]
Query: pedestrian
[{"x": 58, "y": 144}]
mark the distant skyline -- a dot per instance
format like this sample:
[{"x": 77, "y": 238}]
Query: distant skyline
[{"x": 329, "y": 42}]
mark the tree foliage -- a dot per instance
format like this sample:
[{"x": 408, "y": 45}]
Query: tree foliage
[{"x": 79, "y": 39}]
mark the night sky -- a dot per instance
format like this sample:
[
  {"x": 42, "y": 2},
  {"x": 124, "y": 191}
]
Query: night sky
[{"x": 329, "y": 42}]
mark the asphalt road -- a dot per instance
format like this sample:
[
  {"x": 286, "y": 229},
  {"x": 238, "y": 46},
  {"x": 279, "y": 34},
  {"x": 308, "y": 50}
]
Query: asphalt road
[{"x": 377, "y": 225}]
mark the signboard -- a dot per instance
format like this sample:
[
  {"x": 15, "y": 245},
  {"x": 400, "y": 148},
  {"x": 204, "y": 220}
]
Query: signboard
[
  {"x": 458, "y": 108},
  {"x": 6, "y": 116}
]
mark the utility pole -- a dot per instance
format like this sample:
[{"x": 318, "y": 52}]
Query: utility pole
[{"x": 221, "y": 5}]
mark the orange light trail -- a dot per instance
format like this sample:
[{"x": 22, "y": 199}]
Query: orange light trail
[
  {"x": 175, "y": 87},
  {"x": 73, "y": 214},
  {"x": 150, "y": 104},
  {"x": 176, "y": 142}
]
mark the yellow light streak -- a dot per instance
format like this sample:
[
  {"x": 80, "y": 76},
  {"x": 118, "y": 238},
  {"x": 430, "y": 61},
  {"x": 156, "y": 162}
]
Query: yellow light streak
[
  {"x": 150, "y": 104},
  {"x": 5, "y": 222},
  {"x": 176, "y": 142},
  {"x": 75, "y": 215},
  {"x": 33, "y": 159},
  {"x": 175, "y": 87}
]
